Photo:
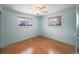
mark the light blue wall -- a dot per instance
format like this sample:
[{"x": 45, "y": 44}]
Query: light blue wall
[
  {"x": 14, "y": 33},
  {"x": 0, "y": 27},
  {"x": 0, "y": 7},
  {"x": 40, "y": 24},
  {"x": 65, "y": 33}
]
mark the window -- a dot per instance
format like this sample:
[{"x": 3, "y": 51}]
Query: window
[
  {"x": 54, "y": 21},
  {"x": 22, "y": 21}
]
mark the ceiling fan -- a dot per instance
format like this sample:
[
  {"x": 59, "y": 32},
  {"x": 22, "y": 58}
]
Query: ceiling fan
[{"x": 39, "y": 9}]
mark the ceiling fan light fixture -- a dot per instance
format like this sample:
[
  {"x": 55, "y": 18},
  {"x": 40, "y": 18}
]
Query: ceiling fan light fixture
[{"x": 38, "y": 8}]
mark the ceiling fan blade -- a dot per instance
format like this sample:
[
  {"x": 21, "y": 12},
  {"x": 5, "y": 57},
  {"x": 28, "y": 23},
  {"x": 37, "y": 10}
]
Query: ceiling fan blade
[{"x": 45, "y": 11}]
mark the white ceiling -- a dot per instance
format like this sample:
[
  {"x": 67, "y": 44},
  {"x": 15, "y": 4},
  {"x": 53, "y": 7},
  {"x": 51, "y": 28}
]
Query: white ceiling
[{"x": 27, "y": 8}]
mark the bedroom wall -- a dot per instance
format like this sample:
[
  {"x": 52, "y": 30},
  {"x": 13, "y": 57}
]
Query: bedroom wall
[
  {"x": 40, "y": 25},
  {"x": 65, "y": 33},
  {"x": 12, "y": 32},
  {"x": 0, "y": 27}
]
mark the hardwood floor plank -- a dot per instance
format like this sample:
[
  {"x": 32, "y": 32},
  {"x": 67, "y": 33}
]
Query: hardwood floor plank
[{"x": 39, "y": 45}]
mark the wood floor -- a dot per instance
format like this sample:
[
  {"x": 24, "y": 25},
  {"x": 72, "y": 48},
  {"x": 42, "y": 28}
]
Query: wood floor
[{"x": 38, "y": 45}]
